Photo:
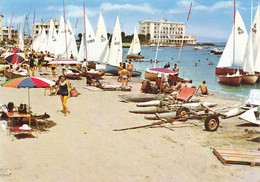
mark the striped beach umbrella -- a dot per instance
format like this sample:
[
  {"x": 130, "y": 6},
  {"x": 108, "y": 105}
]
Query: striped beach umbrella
[
  {"x": 28, "y": 82},
  {"x": 16, "y": 56}
]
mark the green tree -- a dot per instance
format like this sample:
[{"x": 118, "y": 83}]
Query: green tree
[
  {"x": 123, "y": 36},
  {"x": 148, "y": 37},
  {"x": 141, "y": 38}
]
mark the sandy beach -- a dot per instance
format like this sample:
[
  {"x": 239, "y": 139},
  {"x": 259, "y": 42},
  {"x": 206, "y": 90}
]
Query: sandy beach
[{"x": 83, "y": 146}]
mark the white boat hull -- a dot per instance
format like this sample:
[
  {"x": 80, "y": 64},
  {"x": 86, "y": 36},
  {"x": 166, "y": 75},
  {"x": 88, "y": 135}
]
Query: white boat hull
[{"x": 249, "y": 79}]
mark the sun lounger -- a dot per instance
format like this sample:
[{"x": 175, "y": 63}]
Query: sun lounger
[{"x": 185, "y": 94}]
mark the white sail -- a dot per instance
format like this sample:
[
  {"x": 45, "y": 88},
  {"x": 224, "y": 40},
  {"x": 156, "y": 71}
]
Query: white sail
[
  {"x": 241, "y": 37},
  {"x": 135, "y": 46},
  {"x": 105, "y": 54},
  {"x": 115, "y": 54},
  {"x": 60, "y": 45},
  {"x": 71, "y": 43},
  {"x": 50, "y": 36},
  {"x": 89, "y": 37},
  {"x": 255, "y": 28},
  {"x": 43, "y": 41},
  {"x": 21, "y": 42},
  {"x": 54, "y": 40},
  {"x": 101, "y": 39},
  {"x": 252, "y": 45},
  {"x": 36, "y": 42},
  {"x": 82, "y": 50}
]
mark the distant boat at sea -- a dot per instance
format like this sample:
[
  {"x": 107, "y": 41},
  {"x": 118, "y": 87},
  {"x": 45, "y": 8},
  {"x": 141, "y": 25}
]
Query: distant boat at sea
[{"x": 198, "y": 48}]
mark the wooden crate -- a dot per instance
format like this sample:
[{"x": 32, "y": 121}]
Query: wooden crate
[{"x": 236, "y": 156}]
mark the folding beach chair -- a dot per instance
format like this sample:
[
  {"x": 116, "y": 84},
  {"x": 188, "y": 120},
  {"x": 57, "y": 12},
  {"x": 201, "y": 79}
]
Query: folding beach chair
[{"x": 186, "y": 94}]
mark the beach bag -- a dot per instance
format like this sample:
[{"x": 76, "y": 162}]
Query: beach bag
[
  {"x": 146, "y": 86},
  {"x": 22, "y": 109},
  {"x": 74, "y": 92}
]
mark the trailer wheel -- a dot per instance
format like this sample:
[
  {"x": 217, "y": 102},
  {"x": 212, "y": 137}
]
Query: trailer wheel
[
  {"x": 183, "y": 112},
  {"x": 212, "y": 123}
]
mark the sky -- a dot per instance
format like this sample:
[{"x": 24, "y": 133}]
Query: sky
[{"x": 210, "y": 20}]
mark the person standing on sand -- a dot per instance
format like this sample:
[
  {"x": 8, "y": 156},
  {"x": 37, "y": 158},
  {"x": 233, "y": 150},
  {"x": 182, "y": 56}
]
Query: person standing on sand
[
  {"x": 31, "y": 63},
  {"x": 119, "y": 69},
  {"x": 64, "y": 88},
  {"x": 130, "y": 68},
  {"x": 124, "y": 75},
  {"x": 176, "y": 69},
  {"x": 40, "y": 61}
]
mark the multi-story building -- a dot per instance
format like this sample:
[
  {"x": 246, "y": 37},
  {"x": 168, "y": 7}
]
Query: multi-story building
[
  {"x": 1, "y": 27},
  {"x": 46, "y": 25},
  {"x": 9, "y": 33},
  {"x": 171, "y": 32}
]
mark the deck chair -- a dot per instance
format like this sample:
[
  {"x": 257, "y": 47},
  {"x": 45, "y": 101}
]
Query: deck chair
[{"x": 185, "y": 94}]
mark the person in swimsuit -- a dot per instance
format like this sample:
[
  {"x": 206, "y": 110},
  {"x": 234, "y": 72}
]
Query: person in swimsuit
[
  {"x": 31, "y": 63},
  {"x": 40, "y": 61},
  {"x": 53, "y": 69},
  {"x": 203, "y": 88},
  {"x": 64, "y": 88},
  {"x": 130, "y": 68},
  {"x": 124, "y": 75},
  {"x": 119, "y": 69}
]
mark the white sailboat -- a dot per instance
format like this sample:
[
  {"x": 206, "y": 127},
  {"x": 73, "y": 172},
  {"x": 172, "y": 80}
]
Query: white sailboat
[
  {"x": 71, "y": 44},
  {"x": 36, "y": 42},
  {"x": 52, "y": 35},
  {"x": 102, "y": 40},
  {"x": 43, "y": 41},
  {"x": 21, "y": 42},
  {"x": 135, "y": 47},
  {"x": 234, "y": 51},
  {"x": 251, "y": 52},
  {"x": 60, "y": 45}
]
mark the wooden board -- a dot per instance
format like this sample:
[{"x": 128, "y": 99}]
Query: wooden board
[{"x": 236, "y": 156}]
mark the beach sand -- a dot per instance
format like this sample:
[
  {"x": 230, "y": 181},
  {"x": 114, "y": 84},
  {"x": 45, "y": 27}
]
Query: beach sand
[{"x": 84, "y": 147}]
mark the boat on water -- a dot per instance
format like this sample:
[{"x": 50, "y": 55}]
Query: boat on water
[
  {"x": 139, "y": 97},
  {"x": 232, "y": 80},
  {"x": 198, "y": 48},
  {"x": 153, "y": 73},
  {"x": 233, "y": 54},
  {"x": 134, "y": 51},
  {"x": 251, "y": 59}
]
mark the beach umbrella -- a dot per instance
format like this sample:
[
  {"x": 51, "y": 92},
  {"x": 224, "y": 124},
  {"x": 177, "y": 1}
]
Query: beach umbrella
[
  {"x": 16, "y": 56},
  {"x": 28, "y": 82}
]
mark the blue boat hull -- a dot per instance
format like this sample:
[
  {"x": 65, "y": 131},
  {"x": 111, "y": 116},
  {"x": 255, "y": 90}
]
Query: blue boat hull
[{"x": 114, "y": 70}]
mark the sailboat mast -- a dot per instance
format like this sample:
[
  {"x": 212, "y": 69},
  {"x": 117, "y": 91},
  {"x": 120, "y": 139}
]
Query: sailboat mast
[
  {"x": 234, "y": 36},
  {"x": 85, "y": 39},
  {"x": 65, "y": 30},
  {"x": 158, "y": 44}
]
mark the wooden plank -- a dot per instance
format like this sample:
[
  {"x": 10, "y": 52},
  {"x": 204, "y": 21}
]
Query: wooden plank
[{"x": 237, "y": 156}]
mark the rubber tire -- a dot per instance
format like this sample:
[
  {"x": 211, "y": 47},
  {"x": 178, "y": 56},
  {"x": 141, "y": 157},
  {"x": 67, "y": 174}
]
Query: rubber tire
[
  {"x": 183, "y": 109},
  {"x": 211, "y": 123}
]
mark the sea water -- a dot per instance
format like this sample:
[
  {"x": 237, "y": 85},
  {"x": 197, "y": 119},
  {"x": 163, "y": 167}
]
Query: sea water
[{"x": 187, "y": 69}]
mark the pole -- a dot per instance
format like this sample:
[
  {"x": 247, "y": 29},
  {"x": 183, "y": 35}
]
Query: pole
[
  {"x": 183, "y": 34},
  {"x": 158, "y": 44},
  {"x": 65, "y": 29},
  {"x": 29, "y": 101},
  {"x": 85, "y": 36},
  {"x": 251, "y": 12},
  {"x": 234, "y": 36}
]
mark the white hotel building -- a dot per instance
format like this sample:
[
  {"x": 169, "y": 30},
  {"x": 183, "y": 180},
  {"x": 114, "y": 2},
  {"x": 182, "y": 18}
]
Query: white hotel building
[{"x": 171, "y": 33}]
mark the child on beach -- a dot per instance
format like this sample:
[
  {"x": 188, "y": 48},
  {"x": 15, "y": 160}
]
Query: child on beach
[
  {"x": 64, "y": 88},
  {"x": 130, "y": 68}
]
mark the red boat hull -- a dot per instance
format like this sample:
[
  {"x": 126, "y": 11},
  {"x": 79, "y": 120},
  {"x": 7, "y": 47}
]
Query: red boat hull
[{"x": 225, "y": 71}]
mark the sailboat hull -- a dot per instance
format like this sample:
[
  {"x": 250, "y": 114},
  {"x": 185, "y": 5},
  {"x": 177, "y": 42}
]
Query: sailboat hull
[
  {"x": 114, "y": 70},
  {"x": 249, "y": 79},
  {"x": 134, "y": 57},
  {"x": 152, "y": 73},
  {"x": 230, "y": 80},
  {"x": 225, "y": 71}
]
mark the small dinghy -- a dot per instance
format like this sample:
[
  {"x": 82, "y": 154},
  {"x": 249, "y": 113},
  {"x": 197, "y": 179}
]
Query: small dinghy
[{"x": 139, "y": 97}]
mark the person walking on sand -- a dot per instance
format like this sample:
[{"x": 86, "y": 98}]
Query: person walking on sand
[
  {"x": 130, "y": 68},
  {"x": 40, "y": 61},
  {"x": 124, "y": 75},
  {"x": 64, "y": 88},
  {"x": 53, "y": 67},
  {"x": 31, "y": 64}
]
